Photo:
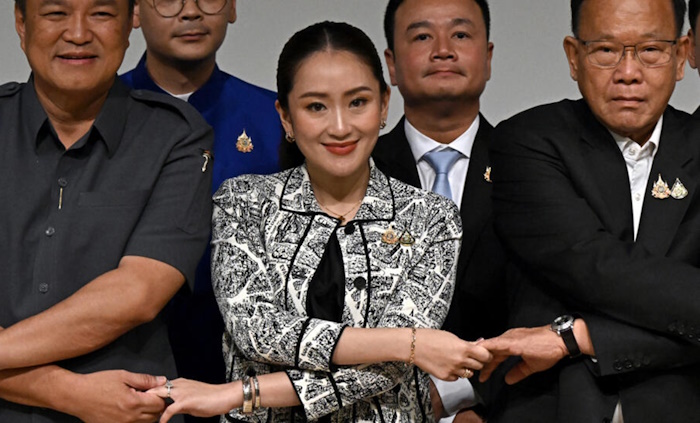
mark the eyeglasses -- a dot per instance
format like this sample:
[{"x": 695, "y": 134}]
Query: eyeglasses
[
  {"x": 172, "y": 8},
  {"x": 608, "y": 54}
]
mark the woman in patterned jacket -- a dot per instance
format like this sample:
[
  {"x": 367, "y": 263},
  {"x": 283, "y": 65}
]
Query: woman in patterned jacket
[{"x": 323, "y": 272}]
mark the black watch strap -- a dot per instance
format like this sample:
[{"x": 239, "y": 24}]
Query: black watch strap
[
  {"x": 564, "y": 327},
  {"x": 570, "y": 342}
]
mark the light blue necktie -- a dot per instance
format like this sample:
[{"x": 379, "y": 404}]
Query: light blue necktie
[{"x": 441, "y": 161}]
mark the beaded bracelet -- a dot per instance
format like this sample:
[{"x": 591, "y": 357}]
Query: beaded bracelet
[{"x": 412, "y": 357}]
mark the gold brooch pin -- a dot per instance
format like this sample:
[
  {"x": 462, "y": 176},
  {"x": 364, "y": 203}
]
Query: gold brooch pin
[
  {"x": 407, "y": 239},
  {"x": 244, "y": 143},
  {"x": 487, "y": 174},
  {"x": 389, "y": 236},
  {"x": 679, "y": 191},
  {"x": 660, "y": 189},
  {"x": 207, "y": 158}
]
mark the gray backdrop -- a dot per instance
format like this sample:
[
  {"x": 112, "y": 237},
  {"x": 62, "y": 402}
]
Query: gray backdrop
[{"x": 529, "y": 66}]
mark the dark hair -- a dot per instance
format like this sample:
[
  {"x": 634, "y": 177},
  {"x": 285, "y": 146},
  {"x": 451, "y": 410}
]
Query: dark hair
[
  {"x": 323, "y": 36},
  {"x": 390, "y": 19},
  {"x": 22, "y": 4},
  {"x": 693, "y": 10},
  {"x": 678, "y": 9}
]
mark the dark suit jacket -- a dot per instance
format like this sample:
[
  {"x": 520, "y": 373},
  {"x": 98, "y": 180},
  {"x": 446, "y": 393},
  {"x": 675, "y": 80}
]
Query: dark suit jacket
[
  {"x": 563, "y": 209},
  {"x": 478, "y": 304}
]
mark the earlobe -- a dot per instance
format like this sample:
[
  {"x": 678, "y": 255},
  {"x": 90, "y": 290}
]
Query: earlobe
[
  {"x": 390, "y": 65},
  {"x": 571, "y": 50},
  {"x": 285, "y": 119},
  {"x": 232, "y": 16},
  {"x": 488, "y": 61},
  {"x": 691, "y": 50},
  {"x": 136, "y": 20},
  {"x": 20, "y": 26}
]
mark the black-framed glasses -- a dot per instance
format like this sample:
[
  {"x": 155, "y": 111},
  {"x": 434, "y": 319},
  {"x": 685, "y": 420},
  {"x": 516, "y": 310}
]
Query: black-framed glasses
[
  {"x": 609, "y": 54},
  {"x": 172, "y": 8}
]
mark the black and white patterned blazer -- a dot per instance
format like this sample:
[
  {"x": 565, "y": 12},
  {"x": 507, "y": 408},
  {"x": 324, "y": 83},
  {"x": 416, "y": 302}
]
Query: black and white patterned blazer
[{"x": 268, "y": 238}]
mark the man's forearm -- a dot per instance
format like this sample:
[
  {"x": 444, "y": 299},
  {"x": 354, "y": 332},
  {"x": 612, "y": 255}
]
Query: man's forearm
[
  {"x": 94, "y": 316},
  {"x": 36, "y": 387}
]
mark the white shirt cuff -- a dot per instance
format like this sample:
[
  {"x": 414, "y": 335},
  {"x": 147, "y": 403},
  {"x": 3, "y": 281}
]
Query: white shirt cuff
[{"x": 455, "y": 396}]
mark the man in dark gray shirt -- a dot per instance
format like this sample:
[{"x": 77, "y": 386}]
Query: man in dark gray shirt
[{"x": 105, "y": 215}]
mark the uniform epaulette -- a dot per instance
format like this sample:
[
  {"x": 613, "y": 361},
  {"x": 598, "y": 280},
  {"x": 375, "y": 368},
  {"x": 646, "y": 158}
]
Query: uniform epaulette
[
  {"x": 9, "y": 89},
  {"x": 169, "y": 102}
]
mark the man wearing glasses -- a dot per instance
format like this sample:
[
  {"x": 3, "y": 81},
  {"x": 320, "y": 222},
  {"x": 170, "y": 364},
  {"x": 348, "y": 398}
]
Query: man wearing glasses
[
  {"x": 182, "y": 39},
  {"x": 595, "y": 199}
]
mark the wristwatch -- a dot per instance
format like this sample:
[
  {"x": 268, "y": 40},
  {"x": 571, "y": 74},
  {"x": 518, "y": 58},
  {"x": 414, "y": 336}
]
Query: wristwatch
[{"x": 564, "y": 327}]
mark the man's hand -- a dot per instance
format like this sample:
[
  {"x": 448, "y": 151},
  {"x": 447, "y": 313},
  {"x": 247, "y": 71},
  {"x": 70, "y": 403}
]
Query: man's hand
[
  {"x": 467, "y": 416},
  {"x": 116, "y": 396},
  {"x": 539, "y": 348}
]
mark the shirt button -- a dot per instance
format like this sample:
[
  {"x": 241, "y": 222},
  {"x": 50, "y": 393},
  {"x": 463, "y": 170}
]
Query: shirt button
[
  {"x": 349, "y": 229},
  {"x": 633, "y": 151},
  {"x": 637, "y": 197},
  {"x": 360, "y": 283},
  {"x": 50, "y": 231},
  {"x": 62, "y": 182},
  {"x": 43, "y": 288}
]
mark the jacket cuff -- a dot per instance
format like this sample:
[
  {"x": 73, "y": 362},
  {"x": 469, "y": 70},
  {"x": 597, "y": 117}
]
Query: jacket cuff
[{"x": 317, "y": 343}]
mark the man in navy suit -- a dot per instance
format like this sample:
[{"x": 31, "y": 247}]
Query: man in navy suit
[
  {"x": 182, "y": 39},
  {"x": 439, "y": 56}
]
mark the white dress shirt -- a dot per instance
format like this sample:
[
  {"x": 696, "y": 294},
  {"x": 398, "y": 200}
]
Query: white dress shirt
[
  {"x": 459, "y": 394},
  {"x": 639, "y": 161},
  {"x": 421, "y": 144}
]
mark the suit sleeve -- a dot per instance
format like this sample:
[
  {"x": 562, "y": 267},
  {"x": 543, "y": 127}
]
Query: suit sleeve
[
  {"x": 421, "y": 300},
  {"x": 551, "y": 229}
]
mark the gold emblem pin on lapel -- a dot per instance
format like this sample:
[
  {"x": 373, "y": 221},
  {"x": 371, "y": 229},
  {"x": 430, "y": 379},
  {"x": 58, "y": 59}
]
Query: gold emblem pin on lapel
[
  {"x": 407, "y": 239},
  {"x": 660, "y": 189},
  {"x": 207, "y": 158},
  {"x": 487, "y": 174},
  {"x": 389, "y": 236},
  {"x": 244, "y": 143},
  {"x": 679, "y": 191}
]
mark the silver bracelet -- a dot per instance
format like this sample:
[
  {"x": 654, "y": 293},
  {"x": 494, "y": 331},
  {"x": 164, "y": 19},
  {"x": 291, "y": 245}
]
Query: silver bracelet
[
  {"x": 247, "y": 396},
  {"x": 256, "y": 385}
]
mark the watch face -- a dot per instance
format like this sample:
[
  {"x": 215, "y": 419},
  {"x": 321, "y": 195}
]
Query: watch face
[{"x": 562, "y": 323}]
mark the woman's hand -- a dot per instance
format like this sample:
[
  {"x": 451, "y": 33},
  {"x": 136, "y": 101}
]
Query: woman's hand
[
  {"x": 447, "y": 357},
  {"x": 199, "y": 399}
]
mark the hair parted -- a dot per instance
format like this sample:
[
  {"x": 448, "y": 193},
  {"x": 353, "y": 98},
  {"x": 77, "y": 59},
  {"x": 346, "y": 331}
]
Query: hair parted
[
  {"x": 322, "y": 36},
  {"x": 393, "y": 6}
]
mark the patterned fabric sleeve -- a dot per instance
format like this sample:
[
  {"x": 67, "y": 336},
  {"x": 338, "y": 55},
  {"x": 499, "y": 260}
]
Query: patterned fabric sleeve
[
  {"x": 422, "y": 300},
  {"x": 245, "y": 292}
]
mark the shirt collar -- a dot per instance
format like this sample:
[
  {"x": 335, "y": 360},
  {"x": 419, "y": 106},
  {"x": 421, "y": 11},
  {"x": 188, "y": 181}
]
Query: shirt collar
[
  {"x": 421, "y": 144},
  {"x": 652, "y": 144},
  {"x": 110, "y": 122},
  {"x": 201, "y": 99}
]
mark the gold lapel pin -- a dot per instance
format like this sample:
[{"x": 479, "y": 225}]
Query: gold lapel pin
[
  {"x": 679, "y": 191},
  {"x": 389, "y": 236},
  {"x": 660, "y": 189},
  {"x": 244, "y": 144},
  {"x": 207, "y": 158},
  {"x": 487, "y": 174},
  {"x": 407, "y": 239}
]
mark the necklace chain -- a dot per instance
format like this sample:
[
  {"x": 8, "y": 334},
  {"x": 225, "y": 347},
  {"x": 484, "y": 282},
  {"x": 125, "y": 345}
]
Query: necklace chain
[{"x": 340, "y": 216}]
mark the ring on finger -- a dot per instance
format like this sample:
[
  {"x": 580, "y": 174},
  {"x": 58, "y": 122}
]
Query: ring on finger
[
  {"x": 168, "y": 387},
  {"x": 467, "y": 373}
]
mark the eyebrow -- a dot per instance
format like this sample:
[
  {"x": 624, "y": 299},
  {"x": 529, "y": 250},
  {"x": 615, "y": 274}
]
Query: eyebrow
[
  {"x": 347, "y": 93},
  {"x": 454, "y": 22}
]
